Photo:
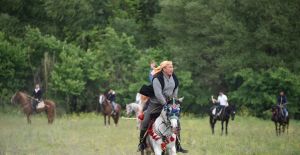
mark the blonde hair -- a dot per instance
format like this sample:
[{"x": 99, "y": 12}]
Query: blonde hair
[{"x": 161, "y": 66}]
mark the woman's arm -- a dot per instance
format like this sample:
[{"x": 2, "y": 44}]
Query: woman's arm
[{"x": 175, "y": 93}]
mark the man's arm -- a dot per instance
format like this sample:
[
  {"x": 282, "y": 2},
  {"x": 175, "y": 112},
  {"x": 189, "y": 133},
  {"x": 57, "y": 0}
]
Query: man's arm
[
  {"x": 226, "y": 99},
  {"x": 158, "y": 91},
  {"x": 285, "y": 101}
]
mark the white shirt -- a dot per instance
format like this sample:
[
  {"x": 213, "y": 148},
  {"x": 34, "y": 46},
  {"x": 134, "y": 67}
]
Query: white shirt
[{"x": 222, "y": 99}]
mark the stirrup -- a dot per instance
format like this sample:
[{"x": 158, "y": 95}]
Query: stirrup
[{"x": 141, "y": 147}]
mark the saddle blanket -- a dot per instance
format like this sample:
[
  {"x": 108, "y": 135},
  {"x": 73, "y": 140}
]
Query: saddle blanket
[{"x": 40, "y": 105}]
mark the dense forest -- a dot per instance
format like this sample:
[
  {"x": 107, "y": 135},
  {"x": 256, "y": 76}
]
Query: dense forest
[{"x": 77, "y": 49}]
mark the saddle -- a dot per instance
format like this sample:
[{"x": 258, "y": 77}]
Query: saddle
[
  {"x": 40, "y": 105},
  {"x": 217, "y": 111}
]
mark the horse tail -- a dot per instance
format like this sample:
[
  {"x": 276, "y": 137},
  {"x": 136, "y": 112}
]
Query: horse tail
[
  {"x": 50, "y": 110},
  {"x": 118, "y": 108}
]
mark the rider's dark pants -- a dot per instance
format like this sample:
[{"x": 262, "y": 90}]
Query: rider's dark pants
[
  {"x": 147, "y": 119},
  {"x": 219, "y": 107},
  {"x": 34, "y": 104}
]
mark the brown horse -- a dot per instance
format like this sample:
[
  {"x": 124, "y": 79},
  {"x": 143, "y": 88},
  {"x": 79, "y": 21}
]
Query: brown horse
[
  {"x": 280, "y": 122},
  {"x": 26, "y": 103},
  {"x": 106, "y": 109}
]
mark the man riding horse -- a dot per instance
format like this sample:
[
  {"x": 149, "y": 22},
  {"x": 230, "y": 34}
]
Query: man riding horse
[
  {"x": 164, "y": 86},
  {"x": 111, "y": 96},
  {"x": 222, "y": 102},
  {"x": 37, "y": 95},
  {"x": 282, "y": 102}
]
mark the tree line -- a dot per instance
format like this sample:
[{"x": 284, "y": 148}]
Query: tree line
[{"x": 79, "y": 48}]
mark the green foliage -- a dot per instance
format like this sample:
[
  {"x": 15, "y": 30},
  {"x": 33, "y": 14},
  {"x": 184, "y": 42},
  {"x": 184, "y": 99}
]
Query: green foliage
[
  {"x": 13, "y": 66},
  {"x": 222, "y": 38},
  {"x": 79, "y": 48},
  {"x": 71, "y": 17},
  {"x": 258, "y": 90},
  {"x": 67, "y": 75}
]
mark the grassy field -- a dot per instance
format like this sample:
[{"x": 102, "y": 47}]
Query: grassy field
[{"x": 86, "y": 134}]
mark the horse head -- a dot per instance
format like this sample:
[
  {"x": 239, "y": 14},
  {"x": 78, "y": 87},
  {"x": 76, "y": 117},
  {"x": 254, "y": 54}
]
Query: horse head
[
  {"x": 102, "y": 98},
  {"x": 232, "y": 111},
  {"x": 171, "y": 112},
  {"x": 128, "y": 109},
  {"x": 275, "y": 110},
  {"x": 17, "y": 97}
]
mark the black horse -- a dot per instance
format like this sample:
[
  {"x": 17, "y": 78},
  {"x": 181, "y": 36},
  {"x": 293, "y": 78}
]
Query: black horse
[
  {"x": 223, "y": 117},
  {"x": 279, "y": 120}
]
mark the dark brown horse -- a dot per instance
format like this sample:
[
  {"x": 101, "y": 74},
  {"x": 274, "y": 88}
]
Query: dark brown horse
[
  {"x": 26, "y": 104},
  {"x": 106, "y": 109},
  {"x": 279, "y": 120},
  {"x": 224, "y": 117}
]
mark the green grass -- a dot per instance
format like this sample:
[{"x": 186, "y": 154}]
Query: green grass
[{"x": 86, "y": 134}]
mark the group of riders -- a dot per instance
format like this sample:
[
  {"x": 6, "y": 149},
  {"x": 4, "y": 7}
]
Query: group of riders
[
  {"x": 165, "y": 86},
  {"x": 222, "y": 102}
]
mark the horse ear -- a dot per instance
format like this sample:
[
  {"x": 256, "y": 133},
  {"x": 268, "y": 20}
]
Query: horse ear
[{"x": 181, "y": 99}]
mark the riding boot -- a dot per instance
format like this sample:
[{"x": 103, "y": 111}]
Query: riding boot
[
  {"x": 34, "y": 104},
  {"x": 178, "y": 145},
  {"x": 142, "y": 144}
]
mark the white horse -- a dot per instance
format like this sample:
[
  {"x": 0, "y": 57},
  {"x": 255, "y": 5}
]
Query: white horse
[
  {"x": 138, "y": 99},
  {"x": 137, "y": 109},
  {"x": 162, "y": 136}
]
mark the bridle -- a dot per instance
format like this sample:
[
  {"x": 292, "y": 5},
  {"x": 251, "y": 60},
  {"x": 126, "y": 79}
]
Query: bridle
[{"x": 172, "y": 111}]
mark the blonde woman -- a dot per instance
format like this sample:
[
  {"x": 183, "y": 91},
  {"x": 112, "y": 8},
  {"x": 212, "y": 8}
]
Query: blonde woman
[{"x": 165, "y": 86}]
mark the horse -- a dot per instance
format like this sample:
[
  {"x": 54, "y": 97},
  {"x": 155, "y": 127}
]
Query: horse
[
  {"x": 223, "y": 117},
  {"x": 162, "y": 134},
  {"x": 26, "y": 103},
  {"x": 279, "y": 120},
  {"x": 106, "y": 109},
  {"x": 141, "y": 100},
  {"x": 137, "y": 109}
]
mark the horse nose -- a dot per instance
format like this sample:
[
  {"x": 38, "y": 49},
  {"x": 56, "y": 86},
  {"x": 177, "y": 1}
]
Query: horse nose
[{"x": 174, "y": 124}]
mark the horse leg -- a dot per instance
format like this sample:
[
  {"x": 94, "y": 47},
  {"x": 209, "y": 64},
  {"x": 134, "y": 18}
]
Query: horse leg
[
  {"x": 279, "y": 129},
  {"x": 28, "y": 119},
  {"x": 108, "y": 120},
  {"x": 157, "y": 150},
  {"x": 172, "y": 151},
  {"x": 287, "y": 125},
  {"x": 275, "y": 128},
  {"x": 222, "y": 122},
  {"x": 115, "y": 118},
  {"x": 212, "y": 124},
  {"x": 226, "y": 127},
  {"x": 104, "y": 120}
]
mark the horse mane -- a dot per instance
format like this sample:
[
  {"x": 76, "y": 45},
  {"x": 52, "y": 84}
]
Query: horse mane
[{"x": 22, "y": 97}]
